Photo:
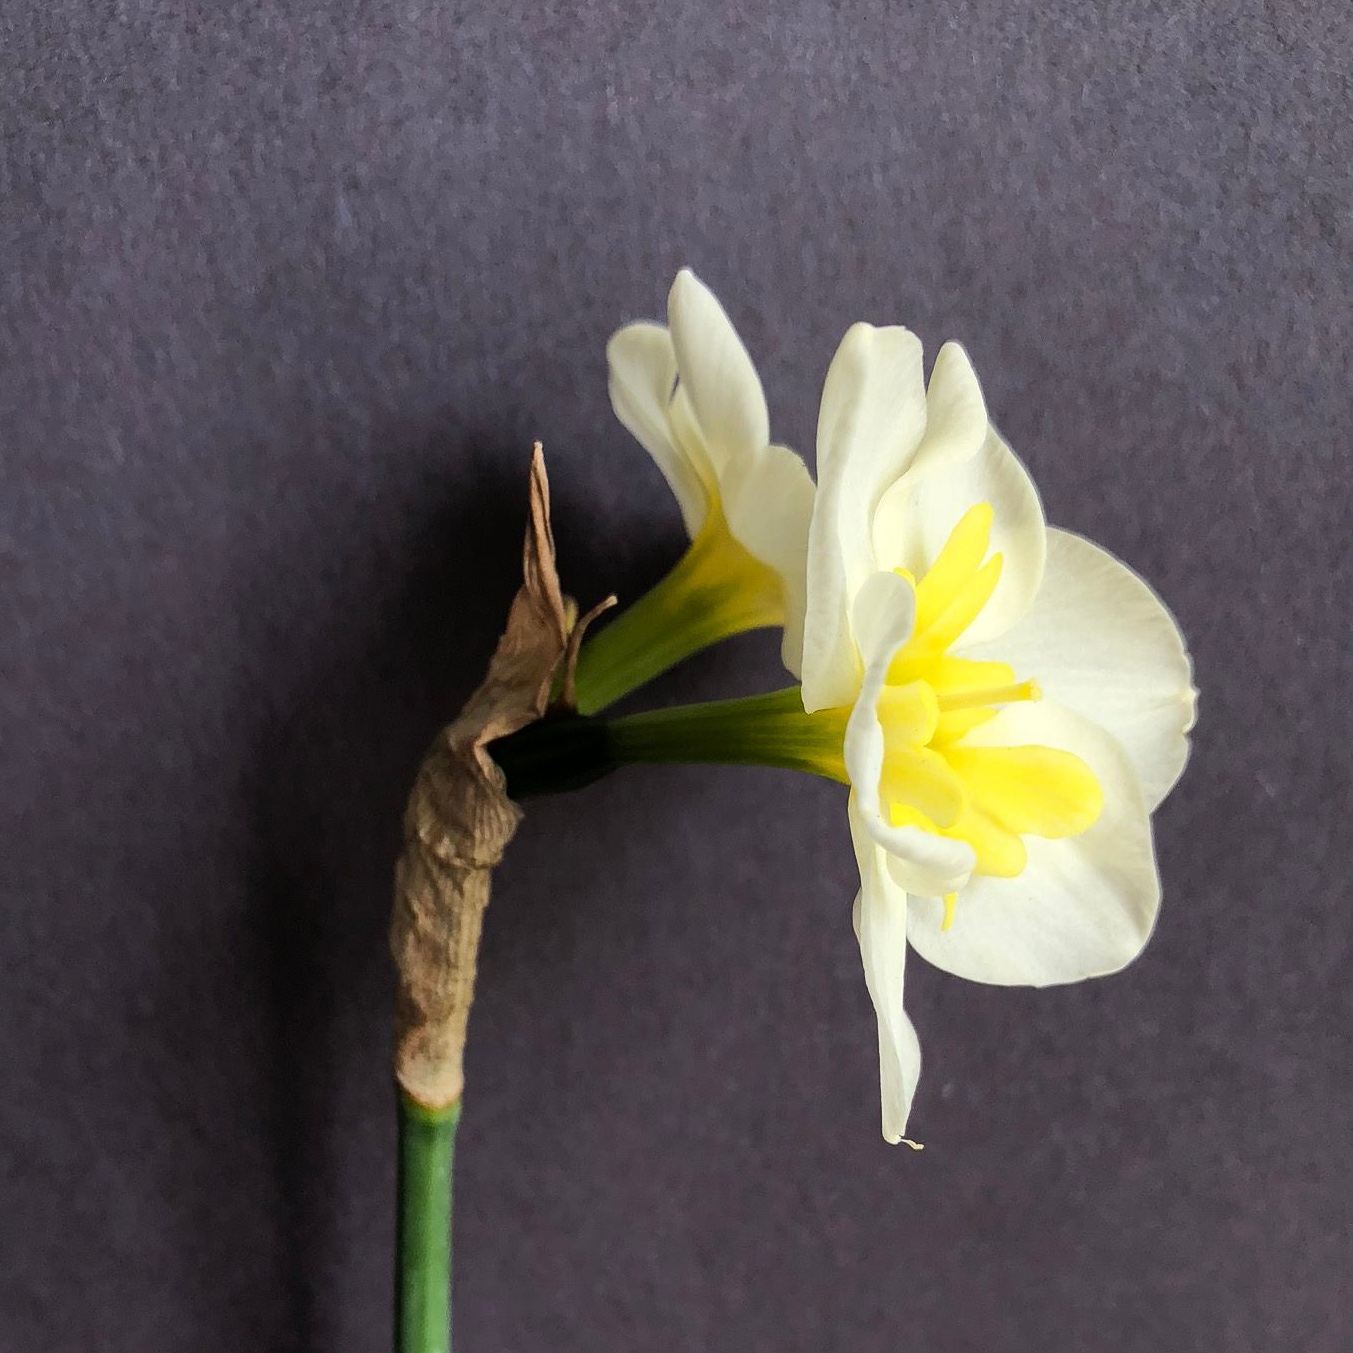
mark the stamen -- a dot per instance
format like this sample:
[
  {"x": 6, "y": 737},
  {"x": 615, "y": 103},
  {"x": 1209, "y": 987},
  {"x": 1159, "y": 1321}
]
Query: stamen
[
  {"x": 991, "y": 695},
  {"x": 950, "y": 902}
]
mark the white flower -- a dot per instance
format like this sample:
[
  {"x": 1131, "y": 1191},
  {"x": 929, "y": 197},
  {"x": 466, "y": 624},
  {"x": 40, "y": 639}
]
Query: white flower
[
  {"x": 1015, "y": 702},
  {"x": 691, "y": 396},
  {"x": 1019, "y": 700}
]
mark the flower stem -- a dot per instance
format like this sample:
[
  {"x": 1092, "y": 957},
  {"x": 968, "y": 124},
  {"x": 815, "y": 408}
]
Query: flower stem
[
  {"x": 427, "y": 1141},
  {"x": 567, "y": 751},
  {"x": 758, "y": 730}
]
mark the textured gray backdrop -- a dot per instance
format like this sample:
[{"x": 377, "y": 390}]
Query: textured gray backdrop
[{"x": 288, "y": 289}]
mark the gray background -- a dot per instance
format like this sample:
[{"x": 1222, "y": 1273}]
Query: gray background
[{"x": 288, "y": 289}]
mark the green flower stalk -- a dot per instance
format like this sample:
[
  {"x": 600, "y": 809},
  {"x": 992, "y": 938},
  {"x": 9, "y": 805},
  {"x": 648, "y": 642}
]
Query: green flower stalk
[
  {"x": 565, "y": 751},
  {"x": 427, "y": 1145}
]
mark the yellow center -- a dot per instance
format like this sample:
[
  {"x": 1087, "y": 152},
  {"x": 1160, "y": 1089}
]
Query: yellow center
[{"x": 990, "y": 797}]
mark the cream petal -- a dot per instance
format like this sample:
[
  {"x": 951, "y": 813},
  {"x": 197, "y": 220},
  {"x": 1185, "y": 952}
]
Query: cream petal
[
  {"x": 1083, "y": 906},
  {"x": 880, "y": 919},
  {"x": 1098, "y": 640},
  {"x": 956, "y": 413},
  {"x": 643, "y": 369},
  {"x": 716, "y": 372},
  {"x": 917, "y": 514},
  {"x": 918, "y": 861},
  {"x": 871, "y": 421},
  {"x": 768, "y": 503}
]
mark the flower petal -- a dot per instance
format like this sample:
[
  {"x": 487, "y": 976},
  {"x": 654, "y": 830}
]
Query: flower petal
[
  {"x": 1081, "y": 907},
  {"x": 917, "y": 515},
  {"x": 716, "y": 372},
  {"x": 880, "y": 918},
  {"x": 956, "y": 413},
  {"x": 919, "y": 861},
  {"x": 871, "y": 421},
  {"x": 642, "y": 372},
  {"x": 1100, "y": 641},
  {"x": 768, "y": 502}
]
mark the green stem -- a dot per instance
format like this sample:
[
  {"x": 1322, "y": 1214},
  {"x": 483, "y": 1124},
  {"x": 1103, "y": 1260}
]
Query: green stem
[
  {"x": 567, "y": 751},
  {"x": 758, "y": 730},
  {"x": 427, "y": 1143}
]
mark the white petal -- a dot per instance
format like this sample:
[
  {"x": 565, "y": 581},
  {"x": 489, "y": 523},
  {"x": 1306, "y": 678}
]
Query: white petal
[
  {"x": 768, "y": 502},
  {"x": 880, "y": 917},
  {"x": 1083, "y": 906},
  {"x": 716, "y": 372},
  {"x": 917, "y": 514},
  {"x": 918, "y": 861},
  {"x": 956, "y": 413},
  {"x": 871, "y": 421},
  {"x": 643, "y": 370},
  {"x": 1098, "y": 640}
]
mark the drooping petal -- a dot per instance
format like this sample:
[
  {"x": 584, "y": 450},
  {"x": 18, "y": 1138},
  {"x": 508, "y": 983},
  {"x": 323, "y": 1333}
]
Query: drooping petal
[
  {"x": 716, "y": 372},
  {"x": 643, "y": 370},
  {"x": 918, "y": 513},
  {"x": 880, "y": 918},
  {"x": 1082, "y": 906},
  {"x": 768, "y": 502},
  {"x": 919, "y": 861},
  {"x": 1100, "y": 641},
  {"x": 871, "y": 421}
]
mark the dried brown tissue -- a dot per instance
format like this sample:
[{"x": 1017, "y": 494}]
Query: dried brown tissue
[{"x": 459, "y": 820}]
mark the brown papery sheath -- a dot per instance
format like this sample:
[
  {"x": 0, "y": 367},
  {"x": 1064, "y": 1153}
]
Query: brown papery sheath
[{"x": 459, "y": 820}]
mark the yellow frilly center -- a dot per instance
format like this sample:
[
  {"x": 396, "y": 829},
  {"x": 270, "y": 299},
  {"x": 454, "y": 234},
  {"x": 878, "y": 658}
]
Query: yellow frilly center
[{"x": 989, "y": 797}]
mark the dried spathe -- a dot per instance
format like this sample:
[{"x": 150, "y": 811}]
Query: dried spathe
[{"x": 459, "y": 820}]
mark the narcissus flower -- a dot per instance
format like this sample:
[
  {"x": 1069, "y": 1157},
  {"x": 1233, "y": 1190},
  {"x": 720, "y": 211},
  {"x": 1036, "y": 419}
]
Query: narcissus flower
[
  {"x": 1008, "y": 702},
  {"x": 690, "y": 395},
  {"x": 1019, "y": 700}
]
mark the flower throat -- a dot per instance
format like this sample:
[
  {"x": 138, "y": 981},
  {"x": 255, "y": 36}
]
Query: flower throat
[{"x": 990, "y": 797}]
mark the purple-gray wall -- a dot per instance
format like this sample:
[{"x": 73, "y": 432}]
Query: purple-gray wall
[{"x": 288, "y": 290}]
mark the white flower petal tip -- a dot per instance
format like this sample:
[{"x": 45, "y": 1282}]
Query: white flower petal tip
[
  {"x": 956, "y": 413},
  {"x": 871, "y": 419},
  {"x": 642, "y": 374},
  {"x": 716, "y": 371},
  {"x": 690, "y": 395}
]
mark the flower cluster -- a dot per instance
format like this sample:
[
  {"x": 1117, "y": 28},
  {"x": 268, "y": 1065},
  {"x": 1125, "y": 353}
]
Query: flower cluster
[{"x": 1007, "y": 701}]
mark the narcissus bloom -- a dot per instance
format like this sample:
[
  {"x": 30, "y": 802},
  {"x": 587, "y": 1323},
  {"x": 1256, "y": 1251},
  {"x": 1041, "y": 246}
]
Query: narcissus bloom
[
  {"x": 1007, "y": 702},
  {"x": 1019, "y": 700},
  {"x": 690, "y": 395}
]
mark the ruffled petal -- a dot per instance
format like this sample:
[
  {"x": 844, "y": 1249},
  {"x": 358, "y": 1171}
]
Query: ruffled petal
[
  {"x": 871, "y": 421},
  {"x": 716, "y": 372},
  {"x": 1100, "y": 641},
  {"x": 880, "y": 918},
  {"x": 1082, "y": 906},
  {"x": 768, "y": 503},
  {"x": 919, "y": 861},
  {"x": 643, "y": 369},
  {"x": 917, "y": 514}
]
